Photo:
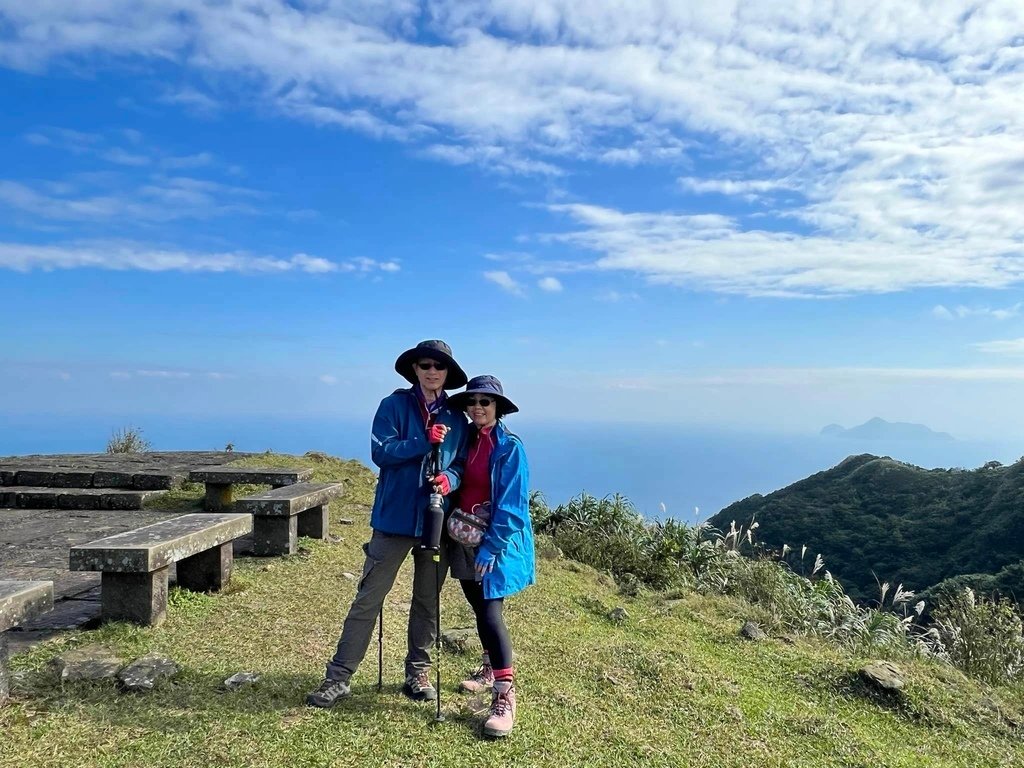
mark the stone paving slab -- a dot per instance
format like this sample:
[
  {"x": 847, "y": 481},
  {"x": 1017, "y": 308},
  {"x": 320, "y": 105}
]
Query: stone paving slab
[
  {"x": 154, "y": 461},
  {"x": 52, "y": 479},
  {"x": 34, "y": 497},
  {"x": 64, "y": 581},
  {"x": 157, "y": 470}
]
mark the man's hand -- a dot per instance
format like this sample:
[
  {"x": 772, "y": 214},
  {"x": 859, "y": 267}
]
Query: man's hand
[
  {"x": 442, "y": 484},
  {"x": 436, "y": 433}
]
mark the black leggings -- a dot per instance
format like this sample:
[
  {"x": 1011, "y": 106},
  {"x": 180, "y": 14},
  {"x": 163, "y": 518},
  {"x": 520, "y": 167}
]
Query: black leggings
[{"x": 489, "y": 624}]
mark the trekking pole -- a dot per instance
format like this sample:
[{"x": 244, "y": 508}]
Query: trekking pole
[
  {"x": 380, "y": 652},
  {"x": 432, "y": 542}
]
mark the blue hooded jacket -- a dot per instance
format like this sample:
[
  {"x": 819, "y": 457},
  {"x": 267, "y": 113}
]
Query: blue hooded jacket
[
  {"x": 399, "y": 446},
  {"x": 510, "y": 534}
]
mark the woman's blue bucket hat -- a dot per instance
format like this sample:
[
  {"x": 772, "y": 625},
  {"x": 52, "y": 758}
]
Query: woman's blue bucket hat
[{"x": 483, "y": 385}]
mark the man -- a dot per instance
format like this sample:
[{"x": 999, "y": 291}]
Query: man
[{"x": 409, "y": 423}]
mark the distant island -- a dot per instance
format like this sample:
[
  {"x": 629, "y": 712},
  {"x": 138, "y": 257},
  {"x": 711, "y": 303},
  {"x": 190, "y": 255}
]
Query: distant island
[{"x": 880, "y": 429}]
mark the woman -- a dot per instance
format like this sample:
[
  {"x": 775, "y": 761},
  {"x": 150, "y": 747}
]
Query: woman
[{"x": 494, "y": 471}]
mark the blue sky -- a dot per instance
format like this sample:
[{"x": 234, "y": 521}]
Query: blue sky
[{"x": 638, "y": 212}]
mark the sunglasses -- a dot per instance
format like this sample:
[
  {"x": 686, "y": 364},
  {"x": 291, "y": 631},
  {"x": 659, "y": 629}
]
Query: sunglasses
[
  {"x": 484, "y": 401},
  {"x": 431, "y": 365}
]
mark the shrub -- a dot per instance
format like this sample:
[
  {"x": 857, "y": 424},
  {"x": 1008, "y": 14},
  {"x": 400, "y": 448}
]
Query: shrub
[
  {"x": 128, "y": 440},
  {"x": 982, "y": 637}
]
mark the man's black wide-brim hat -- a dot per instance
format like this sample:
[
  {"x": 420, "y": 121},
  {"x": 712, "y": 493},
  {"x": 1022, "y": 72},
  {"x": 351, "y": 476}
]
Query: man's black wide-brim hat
[{"x": 434, "y": 349}]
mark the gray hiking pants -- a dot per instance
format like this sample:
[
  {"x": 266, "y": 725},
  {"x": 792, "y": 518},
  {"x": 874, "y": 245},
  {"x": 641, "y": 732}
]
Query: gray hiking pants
[{"x": 385, "y": 554}]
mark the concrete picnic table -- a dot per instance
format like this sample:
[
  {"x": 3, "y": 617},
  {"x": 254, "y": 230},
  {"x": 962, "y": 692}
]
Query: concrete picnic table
[{"x": 219, "y": 481}]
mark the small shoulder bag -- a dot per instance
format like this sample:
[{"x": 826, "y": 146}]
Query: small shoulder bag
[{"x": 468, "y": 528}]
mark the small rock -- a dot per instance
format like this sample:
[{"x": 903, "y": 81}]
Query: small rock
[
  {"x": 332, "y": 539},
  {"x": 349, "y": 576},
  {"x": 475, "y": 705},
  {"x": 751, "y": 631},
  {"x": 144, "y": 673},
  {"x": 93, "y": 662},
  {"x": 462, "y": 640},
  {"x": 618, "y": 614},
  {"x": 345, "y": 521},
  {"x": 883, "y": 675},
  {"x": 239, "y": 680},
  {"x": 629, "y": 585},
  {"x": 551, "y": 553},
  {"x": 1000, "y": 710}
]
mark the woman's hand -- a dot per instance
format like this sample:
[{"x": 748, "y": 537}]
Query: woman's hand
[
  {"x": 442, "y": 484},
  {"x": 436, "y": 433},
  {"x": 484, "y": 562}
]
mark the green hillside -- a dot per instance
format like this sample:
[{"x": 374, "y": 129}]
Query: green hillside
[
  {"x": 874, "y": 515},
  {"x": 672, "y": 684}
]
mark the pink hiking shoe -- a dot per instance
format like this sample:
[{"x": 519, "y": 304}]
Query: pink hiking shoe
[
  {"x": 503, "y": 710},
  {"x": 480, "y": 680}
]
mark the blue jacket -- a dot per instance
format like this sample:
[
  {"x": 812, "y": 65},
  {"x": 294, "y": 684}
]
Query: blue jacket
[
  {"x": 510, "y": 534},
  {"x": 399, "y": 446}
]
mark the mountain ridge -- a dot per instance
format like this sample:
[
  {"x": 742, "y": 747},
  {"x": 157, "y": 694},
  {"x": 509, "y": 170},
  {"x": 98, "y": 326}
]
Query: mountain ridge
[{"x": 876, "y": 519}]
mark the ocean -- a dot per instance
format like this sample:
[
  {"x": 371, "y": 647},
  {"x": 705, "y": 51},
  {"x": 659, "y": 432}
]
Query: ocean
[{"x": 683, "y": 472}]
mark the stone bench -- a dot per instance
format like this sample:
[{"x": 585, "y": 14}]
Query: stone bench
[
  {"x": 219, "y": 480},
  {"x": 135, "y": 564},
  {"x": 20, "y": 601},
  {"x": 282, "y": 515}
]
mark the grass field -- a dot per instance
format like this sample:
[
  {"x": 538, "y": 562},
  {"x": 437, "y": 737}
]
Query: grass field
[{"x": 674, "y": 684}]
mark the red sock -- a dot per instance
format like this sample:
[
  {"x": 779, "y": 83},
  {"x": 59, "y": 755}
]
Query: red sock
[{"x": 506, "y": 675}]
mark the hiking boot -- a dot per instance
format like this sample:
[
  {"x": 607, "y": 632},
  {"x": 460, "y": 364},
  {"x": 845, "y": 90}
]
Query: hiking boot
[
  {"x": 418, "y": 688},
  {"x": 328, "y": 694},
  {"x": 503, "y": 710},
  {"x": 480, "y": 680}
]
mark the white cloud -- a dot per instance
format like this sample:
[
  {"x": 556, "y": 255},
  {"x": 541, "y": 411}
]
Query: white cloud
[
  {"x": 197, "y": 160},
  {"x": 493, "y": 158},
  {"x": 122, "y": 157},
  {"x": 23, "y": 257},
  {"x": 1010, "y": 347},
  {"x": 550, "y": 284},
  {"x": 742, "y": 187},
  {"x": 802, "y": 377},
  {"x": 162, "y": 373},
  {"x": 614, "y": 297},
  {"x": 714, "y": 252},
  {"x": 505, "y": 281},
  {"x": 158, "y": 199},
  {"x": 961, "y": 312},
  {"x": 899, "y": 130},
  {"x": 328, "y": 379}
]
